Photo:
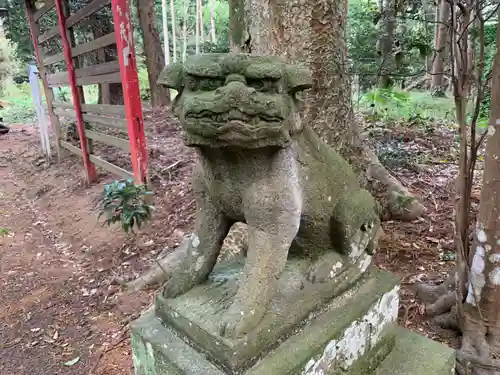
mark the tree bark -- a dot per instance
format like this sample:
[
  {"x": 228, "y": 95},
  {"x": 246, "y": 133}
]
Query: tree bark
[
  {"x": 166, "y": 41},
  {"x": 174, "y": 39},
  {"x": 197, "y": 28},
  {"x": 155, "y": 60},
  {"x": 477, "y": 277},
  {"x": 103, "y": 96},
  {"x": 481, "y": 320},
  {"x": 471, "y": 56},
  {"x": 202, "y": 23},
  {"x": 109, "y": 93},
  {"x": 184, "y": 29},
  {"x": 388, "y": 25},
  {"x": 437, "y": 82},
  {"x": 431, "y": 13},
  {"x": 312, "y": 32},
  {"x": 237, "y": 25}
]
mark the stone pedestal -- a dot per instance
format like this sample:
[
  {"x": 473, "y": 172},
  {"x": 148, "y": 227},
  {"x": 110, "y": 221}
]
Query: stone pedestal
[{"x": 352, "y": 334}]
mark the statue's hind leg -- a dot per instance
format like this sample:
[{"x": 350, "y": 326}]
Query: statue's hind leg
[
  {"x": 355, "y": 224},
  {"x": 353, "y": 232}
]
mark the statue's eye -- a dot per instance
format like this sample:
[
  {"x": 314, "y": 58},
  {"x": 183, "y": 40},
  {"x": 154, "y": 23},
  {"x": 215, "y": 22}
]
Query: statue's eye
[
  {"x": 263, "y": 85},
  {"x": 204, "y": 83},
  {"x": 192, "y": 84},
  {"x": 210, "y": 84}
]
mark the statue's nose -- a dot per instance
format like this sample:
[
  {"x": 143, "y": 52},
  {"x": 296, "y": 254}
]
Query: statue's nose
[{"x": 235, "y": 88}]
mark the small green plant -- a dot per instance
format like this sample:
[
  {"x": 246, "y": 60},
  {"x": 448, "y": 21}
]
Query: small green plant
[
  {"x": 126, "y": 202},
  {"x": 4, "y": 231},
  {"x": 404, "y": 201}
]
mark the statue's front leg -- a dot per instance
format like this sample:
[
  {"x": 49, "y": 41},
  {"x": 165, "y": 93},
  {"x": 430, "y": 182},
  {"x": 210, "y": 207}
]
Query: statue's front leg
[
  {"x": 205, "y": 244},
  {"x": 273, "y": 221}
]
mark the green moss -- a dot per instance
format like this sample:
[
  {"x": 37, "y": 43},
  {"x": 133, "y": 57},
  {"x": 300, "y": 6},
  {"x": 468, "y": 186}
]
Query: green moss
[{"x": 173, "y": 77}]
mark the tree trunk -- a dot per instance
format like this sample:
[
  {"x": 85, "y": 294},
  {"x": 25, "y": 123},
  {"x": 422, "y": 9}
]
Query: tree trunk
[
  {"x": 155, "y": 60},
  {"x": 481, "y": 321},
  {"x": 212, "y": 21},
  {"x": 388, "y": 26},
  {"x": 237, "y": 25},
  {"x": 471, "y": 56},
  {"x": 478, "y": 314},
  {"x": 109, "y": 93},
  {"x": 437, "y": 82},
  {"x": 197, "y": 28},
  {"x": 166, "y": 42},
  {"x": 431, "y": 14},
  {"x": 313, "y": 32},
  {"x": 174, "y": 39},
  {"x": 185, "y": 18},
  {"x": 116, "y": 94},
  {"x": 202, "y": 23}
]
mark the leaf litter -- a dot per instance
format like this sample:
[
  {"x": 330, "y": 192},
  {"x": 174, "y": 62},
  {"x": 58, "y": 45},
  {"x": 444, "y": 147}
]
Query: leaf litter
[{"x": 46, "y": 275}]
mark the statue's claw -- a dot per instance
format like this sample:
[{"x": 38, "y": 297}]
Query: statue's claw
[
  {"x": 325, "y": 268},
  {"x": 177, "y": 285},
  {"x": 238, "y": 320}
]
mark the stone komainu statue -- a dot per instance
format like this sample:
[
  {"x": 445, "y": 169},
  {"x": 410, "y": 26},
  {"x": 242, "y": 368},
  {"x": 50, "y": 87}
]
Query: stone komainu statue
[{"x": 259, "y": 164}]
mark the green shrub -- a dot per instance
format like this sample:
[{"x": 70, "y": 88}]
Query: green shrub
[{"x": 126, "y": 202}]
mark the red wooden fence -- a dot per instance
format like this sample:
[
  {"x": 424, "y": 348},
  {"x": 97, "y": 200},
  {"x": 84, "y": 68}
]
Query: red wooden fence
[{"x": 124, "y": 70}]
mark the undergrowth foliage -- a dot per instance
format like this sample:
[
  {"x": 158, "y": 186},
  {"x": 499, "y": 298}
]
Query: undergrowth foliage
[
  {"x": 413, "y": 107},
  {"x": 126, "y": 202}
]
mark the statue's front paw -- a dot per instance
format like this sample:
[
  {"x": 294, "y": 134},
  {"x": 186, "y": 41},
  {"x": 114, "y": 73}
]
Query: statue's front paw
[
  {"x": 177, "y": 285},
  {"x": 238, "y": 321}
]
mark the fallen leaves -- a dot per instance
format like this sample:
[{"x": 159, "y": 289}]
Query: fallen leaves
[
  {"x": 72, "y": 362},
  {"x": 423, "y": 250}
]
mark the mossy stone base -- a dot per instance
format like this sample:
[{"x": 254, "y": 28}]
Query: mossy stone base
[
  {"x": 197, "y": 314},
  {"x": 352, "y": 335},
  {"x": 415, "y": 354}
]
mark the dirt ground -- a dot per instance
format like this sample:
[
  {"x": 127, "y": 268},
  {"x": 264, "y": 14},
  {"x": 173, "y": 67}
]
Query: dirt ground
[{"x": 61, "y": 313}]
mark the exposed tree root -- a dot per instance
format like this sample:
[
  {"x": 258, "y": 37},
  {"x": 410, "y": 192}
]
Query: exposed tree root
[
  {"x": 471, "y": 364},
  {"x": 440, "y": 302},
  {"x": 448, "y": 320},
  {"x": 431, "y": 293},
  {"x": 476, "y": 356},
  {"x": 160, "y": 271},
  {"x": 442, "y": 305},
  {"x": 398, "y": 201}
]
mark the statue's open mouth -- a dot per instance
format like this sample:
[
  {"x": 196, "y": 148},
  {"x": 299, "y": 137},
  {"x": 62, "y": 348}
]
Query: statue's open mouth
[
  {"x": 235, "y": 127},
  {"x": 233, "y": 115}
]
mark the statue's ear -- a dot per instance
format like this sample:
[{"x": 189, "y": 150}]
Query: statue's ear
[
  {"x": 172, "y": 76},
  {"x": 298, "y": 78}
]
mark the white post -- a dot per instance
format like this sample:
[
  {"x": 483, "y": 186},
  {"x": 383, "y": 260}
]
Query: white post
[{"x": 40, "y": 110}]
